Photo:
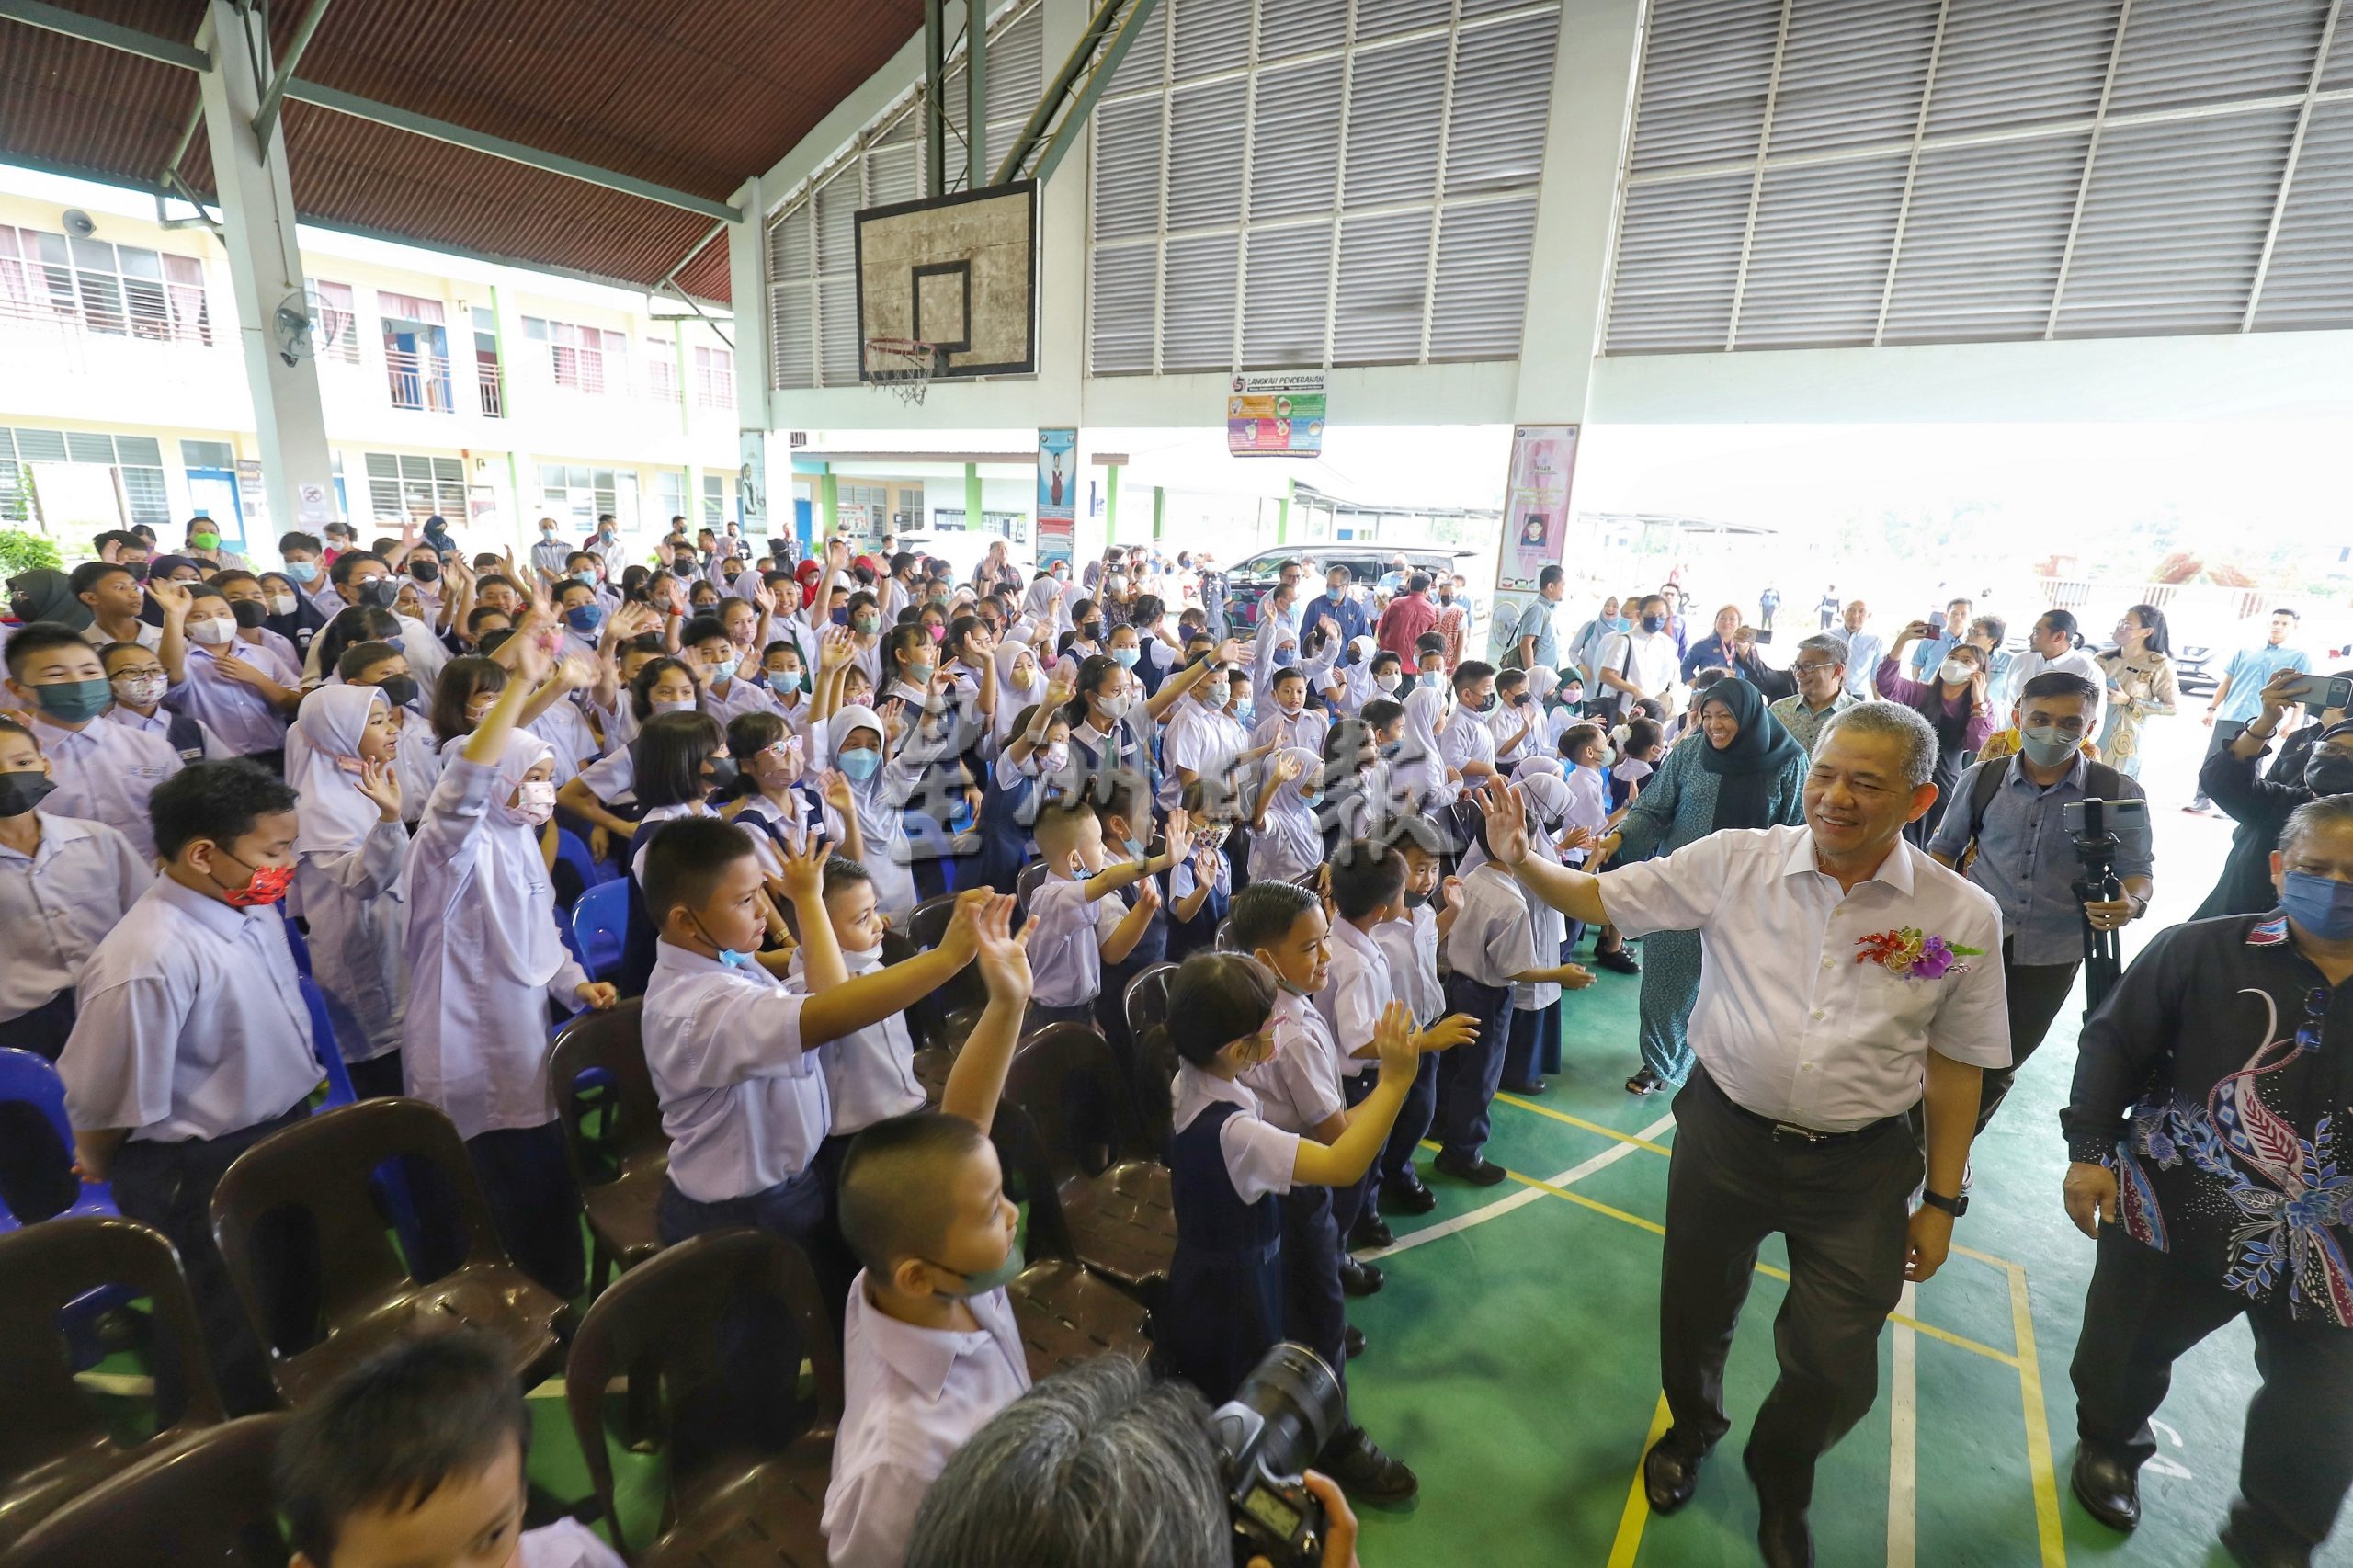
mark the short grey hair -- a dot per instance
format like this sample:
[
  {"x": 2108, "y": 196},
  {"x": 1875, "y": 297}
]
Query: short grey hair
[
  {"x": 1824, "y": 643},
  {"x": 1884, "y": 720},
  {"x": 2324, "y": 813},
  {"x": 1098, "y": 1464}
]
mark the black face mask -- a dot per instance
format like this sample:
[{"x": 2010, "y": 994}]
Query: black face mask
[
  {"x": 723, "y": 771},
  {"x": 250, "y": 613},
  {"x": 2329, "y": 773},
  {"x": 1654, "y": 622},
  {"x": 20, "y": 792},
  {"x": 424, "y": 571},
  {"x": 23, "y": 610},
  {"x": 399, "y": 690},
  {"x": 379, "y": 593}
]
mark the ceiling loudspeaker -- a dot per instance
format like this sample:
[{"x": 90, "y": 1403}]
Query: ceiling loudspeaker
[{"x": 78, "y": 225}]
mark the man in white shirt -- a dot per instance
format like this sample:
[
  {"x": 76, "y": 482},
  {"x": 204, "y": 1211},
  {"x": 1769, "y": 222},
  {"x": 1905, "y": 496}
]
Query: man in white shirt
[
  {"x": 1809, "y": 1063},
  {"x": 2053, "y": 645},
  {"x": 1640, "y": 661}
]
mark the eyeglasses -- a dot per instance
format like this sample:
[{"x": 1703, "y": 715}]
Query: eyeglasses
[
  {"x": 1810, "y": 669},
  {"x": 2315, "y": 1010}
]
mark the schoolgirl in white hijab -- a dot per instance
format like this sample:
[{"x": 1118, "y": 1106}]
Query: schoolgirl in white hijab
[
  {"x": 1023, "y": 681},
  {"x": 877, "y": 789},
  {"x": 1285, "y": 842},
  {"x": 1353, "y": 680},
  {"x": 1418, "y": 774},
  {"x": 352, "y": 873}
]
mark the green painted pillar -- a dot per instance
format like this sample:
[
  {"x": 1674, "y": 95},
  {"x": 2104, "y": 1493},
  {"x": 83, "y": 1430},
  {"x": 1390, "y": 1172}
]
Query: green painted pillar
[
  {"x": 973, "y": 497},
  {"x": 1159, "y": 509},
  {"x": 1282, "y": 515},
  {"x": 1111, "y": 505},
  {"x": 827, "y": 490}
]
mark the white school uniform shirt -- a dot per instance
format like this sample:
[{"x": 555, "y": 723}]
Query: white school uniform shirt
[
  {"x": 191, "y": 1022},
  {"x": 910, "y": 1398},
  {"x": 1588, "y": 806},
  {"x": 1355, "y": 996},
  {"x": 666, "y": 813},
  {"x": 612, "y": 778},
  {"x": 741, "y": 697},
  {"x": 58, "y": 904},
  {"x": 1411, "y": 947},
  {"x": 744, "y": 1103},
  {"x": 105, "y": 773},
  {"x": 1493, "y": 938},
  {"x": 351, "y": 875},
  {"x": 483, "y": 956},
  {"x": 1203, "y": 740},
  {"x": 1788, "y": 1023},
  {"x": 1305, "y": 731},
  {"x": 1291, "y": 843},
  {"x": 1299, "y": 1086},
  {"x": 1467, "y": 738},
  {"x": 243, "y": 717},
  {"x": 1259, "y": 1156},
  {"x": 148, "y": 637},
  {"x": 567, "y": 1543},
  {"x": 159, "y": 724},
  {"x": 417, "y": 761},
  {"x": 1066, "y": 954},
  {"x": 870, "y": 1072},
  {"x": 565, "y": 729}
]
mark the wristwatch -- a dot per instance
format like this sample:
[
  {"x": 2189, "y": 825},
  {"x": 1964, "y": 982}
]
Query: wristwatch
[{"x": 1956, "y": 1206}]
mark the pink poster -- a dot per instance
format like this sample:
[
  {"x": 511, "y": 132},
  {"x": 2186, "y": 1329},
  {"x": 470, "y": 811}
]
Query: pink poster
[{"x": 1536, "y": 504}]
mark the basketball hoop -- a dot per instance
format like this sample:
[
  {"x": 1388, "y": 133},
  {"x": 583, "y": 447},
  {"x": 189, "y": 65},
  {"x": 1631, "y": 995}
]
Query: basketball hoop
[{"x": 904, "y": 364}]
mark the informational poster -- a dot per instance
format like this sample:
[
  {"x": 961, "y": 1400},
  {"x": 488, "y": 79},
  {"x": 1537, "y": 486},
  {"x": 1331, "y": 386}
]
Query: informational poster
[
  {"x": 1275, "y": 417},
  {"x": 1536, "y": 522},
  {"x": 252, "y": 499},
  {"x": 752, "y": 482},
  {"x": 1057, "y": 494},
  {"x": 314, "y": 505}
]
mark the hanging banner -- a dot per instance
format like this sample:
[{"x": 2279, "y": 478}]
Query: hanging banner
[
  {"x": 1536, "y": 522},
  {"x": 1275, "y": 417},
  {"x": 1057, "y": 495},
  {"x": 752, "y": 482}
]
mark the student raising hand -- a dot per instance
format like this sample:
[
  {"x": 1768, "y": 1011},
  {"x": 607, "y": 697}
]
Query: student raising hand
[
  {"x": 1392, "y": 1039},
  {"x": 380, "y": 783},
  {"x": 960, "y": 941},
  {"x": 977, "y": 1080},
  {"x": 1003, "y": 953}
]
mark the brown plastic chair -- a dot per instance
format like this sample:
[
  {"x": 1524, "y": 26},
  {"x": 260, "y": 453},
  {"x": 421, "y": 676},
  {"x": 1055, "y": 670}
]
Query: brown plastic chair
[
  {"x": 956, "y": 1006},
  {"x": 1066, "y": 1312},
  {"x": 54, "y": 1442},
  {"x": 368, "y": 1299},
  {"x": 1025, "y": 885},
  {"x": 621, "y": 1168},
  {"x": 1151, "y": 1067},
  {"x": 717, "y": 1328},
  {"x": 206, "y": 1492},
  {"x": 1121, "y": 1217}
]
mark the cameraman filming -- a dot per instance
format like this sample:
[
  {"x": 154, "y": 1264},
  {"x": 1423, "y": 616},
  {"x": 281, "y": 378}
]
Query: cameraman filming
[
  {"x": 1099, "y": 1464},
  {"x": 2012, "y": 811}
]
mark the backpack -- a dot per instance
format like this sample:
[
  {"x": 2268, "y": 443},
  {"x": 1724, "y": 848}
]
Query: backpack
[{"x": 2101, "y": 782}]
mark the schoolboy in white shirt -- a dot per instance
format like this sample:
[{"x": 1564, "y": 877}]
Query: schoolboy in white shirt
[
  {"x": 1411, "y": 941},
  {"x": 104, "y": 771},
  {"x": 1076, "y": 926},
  {"x": 870, "y": 1071}
]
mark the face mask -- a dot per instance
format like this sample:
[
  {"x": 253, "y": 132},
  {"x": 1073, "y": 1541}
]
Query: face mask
[
  {"x": 1057, "y": 758},
  {"x": 917, "y": 675},
  {"x": 1390, "y": 748},
  {"x": 267, "y": 885},
  {"x": 860, "y": 764},
  {"x": 585, "y": 618},
  {"x": 302, "y": 571},
  {"x": 723, "y": 670},
  {"x": 1134, "y": 847},
  {"x": 20, "y": 792},
  {"x": 1609, "y": 755},
  {"x": 585, "y": 577},
  {"x": 996, "y": 1278},
  {"x": 866, "y": 625},
  {"x": 939, "y": 633},
  {"x": 74, "y": 701},
  {"x": 1445, "y": 599},
  {"x": 2045, "y": 747},
  {"x": 424, "y": 571},
  {"x": 2329, "y": 773},
  {"x": 684, "y": 705},
  {"x": 534, "y": 801},
  {"x": 1212, "y": 837},
  {"x": 397, "y": 644},
  {"x": 1112, "y": 707},
  {"x": 1478, "y": 704},
  {"x": 399, "y": 690},
  {"x": 784, "y": 680},
  {"x": 1653, "y": 624},
  {"x": 548, "y": 532},
  {"x": 1955, "y": 672},
  {"x": 1312, "y": 801},
  {"x": 1292, "y": 709},
  {"x": 212, "y": 632},
  {"x": 377, "y": 593},
  {"x": 141, "y": 691},
  {"x": 1126, "y": 657},
  {"x": 1386, "y": 683},
  {"x": 1428, "y": 678},
  {"x": 282, "y": 604},
  {"x": 723, "y": 771},
  {"x": 2320, "y": 904},
  {"x": 1617, "y": 623}
]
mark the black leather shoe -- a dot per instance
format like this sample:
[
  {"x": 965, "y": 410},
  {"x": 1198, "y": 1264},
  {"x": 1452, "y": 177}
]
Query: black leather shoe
[
  {"x": 1371, "y": 1231},
  {"x": 1409, "y": 1196},
  {"x": 1621, "y": 961},
  {"x": 1669, "y": 1477},
  {"x": 1360, "y": 1279},
  {"x": 1478, "y": 1170},
  {"x": 2240, "y": 1538},
  {"x": 1784, "y": 1535},
  {"x": 1352, "y": 1341},
  {"x": 2109, "y": 1489},
  {"x": 1366, "y": 1473},
  {"x": 1529, "y": 1088}
]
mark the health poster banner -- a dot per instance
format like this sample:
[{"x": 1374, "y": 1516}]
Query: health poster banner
[
  {"x": 1057, "y": 494},
  {"x": 1275, "y": 417},
  {"x": 1536, "y": 504}
]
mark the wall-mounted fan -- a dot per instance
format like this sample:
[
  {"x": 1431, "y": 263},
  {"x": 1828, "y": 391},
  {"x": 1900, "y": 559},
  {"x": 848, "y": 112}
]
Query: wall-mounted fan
[{"x": 302, "y": 326}]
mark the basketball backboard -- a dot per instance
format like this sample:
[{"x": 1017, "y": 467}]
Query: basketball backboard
[{"x": 959, "y": 271}]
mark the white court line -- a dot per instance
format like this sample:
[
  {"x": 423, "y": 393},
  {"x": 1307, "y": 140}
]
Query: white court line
[
  {"x": 1903, "y": 1439},
  {"x": 1526, "y": 1195}
]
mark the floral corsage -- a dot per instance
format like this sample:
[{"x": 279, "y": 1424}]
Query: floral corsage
[{"x": 1910, "y": 954}]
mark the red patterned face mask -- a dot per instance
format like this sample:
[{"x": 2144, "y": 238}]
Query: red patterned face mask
[{"x": 267, "y": 885}]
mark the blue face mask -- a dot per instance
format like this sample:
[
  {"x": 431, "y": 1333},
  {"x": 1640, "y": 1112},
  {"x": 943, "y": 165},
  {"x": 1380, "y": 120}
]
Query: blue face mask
[
  {"x": 1135, "y": 847},
  {"x": 585, "y": 618},
  {"x": 860, "y": 764},
  {"x": 302, "y": 571},
  {"x": 734, "y": 960},
  {"x": 784, "y": 680},
  {"x": 585, "y": 577},
  {"x": 2322, "y": 905},
  {"x": 1126, "y": 657},
  {"x": 1429, "y": 679},
  {"x": 723, "y": 670}
]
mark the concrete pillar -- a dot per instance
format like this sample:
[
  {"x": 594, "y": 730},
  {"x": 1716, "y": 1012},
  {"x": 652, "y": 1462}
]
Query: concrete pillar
[
  {"x": 265, "y": 269},
  {"x": 766, "y": 464},
  {"x": 828, "y": 492},
  {"x": 1111, "y": 505},
  {"x": 1159, "y": 509},
  {"x": 973, "y": 497}
]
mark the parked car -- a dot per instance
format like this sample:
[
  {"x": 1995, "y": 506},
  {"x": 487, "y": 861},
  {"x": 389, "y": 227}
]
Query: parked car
[{"x": 1251, "y": 578}]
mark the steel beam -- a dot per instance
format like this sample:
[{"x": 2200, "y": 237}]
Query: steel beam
[
  {"x": 935, "y": 96},
  {"x": 976, "y": 99},
  {"x": 89, "y": 29},
  {"x": 499, "y": 147},
  {"x": 273, "y": 95},
  {"x": 1066, "y": 134},
  {"x": 1033, "y": 133}
]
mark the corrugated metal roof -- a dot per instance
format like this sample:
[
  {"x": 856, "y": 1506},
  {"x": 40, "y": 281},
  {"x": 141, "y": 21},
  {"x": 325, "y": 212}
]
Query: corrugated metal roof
[{"x": 697, "y": 94}]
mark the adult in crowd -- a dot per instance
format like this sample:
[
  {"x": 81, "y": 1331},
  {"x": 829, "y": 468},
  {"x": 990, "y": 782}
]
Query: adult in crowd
[
  {"x": 1767, "y": 604},
  {"x": 1749, "y": 665},
  {"x": 1536, "y": 640},
  {"x": 1794, "y": 1119},
  {"x": 1987, "y": 633},
  {"x": 1337, "y": 604},
  {"x": 1584, "y": 648},
  {"x": 1715, "y": 650},
  {"x": 2140, "y": 685},
  {"x": 1453, "y": 622},
  {"x": 1820, "y": 668},
  {"x": 1940, "y": 639},
  {"x": 2055, "y": 642},
  {"x": 2008, "y": 834},
  {"x": 2261, "y": 806},
  {"x": 1828, "y": 607},
  {"x": 1955, "y": 702},
  {"x": 1409, "y": 615},
  {"x": 2240, "y": 693},
  {"x": 2205, "y": 1132},
  {"x": 1098, "y": 1464},
  {"x": 1744, "y": 771},
  {"x": 1679, "y": 623},
  {"x": 1640, "y": 661},
  {"x": 1864, "y": 649},
  {"x": 997, "y": 571}
]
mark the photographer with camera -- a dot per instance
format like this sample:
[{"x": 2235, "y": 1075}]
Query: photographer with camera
[
  {"x": 2261, "y": 806},
  {"x": 2009, "y": 832},
  {"x": 1102, "y": 1464}
]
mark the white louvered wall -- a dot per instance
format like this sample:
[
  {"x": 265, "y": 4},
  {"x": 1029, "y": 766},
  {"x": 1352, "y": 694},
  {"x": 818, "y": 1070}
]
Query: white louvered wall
[
  {"x": 812, "y": 261},
  {"x": 1283, "y": 183},
  {"x": 1832, "y": 173}
]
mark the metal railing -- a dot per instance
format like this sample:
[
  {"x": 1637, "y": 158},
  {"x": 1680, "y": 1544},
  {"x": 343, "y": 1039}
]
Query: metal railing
[
  {"x": 494, "y": 389},
  {"x": 419, "y": 380}
]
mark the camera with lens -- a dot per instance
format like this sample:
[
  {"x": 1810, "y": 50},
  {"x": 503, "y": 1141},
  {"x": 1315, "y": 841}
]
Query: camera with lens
[
  {"x": 1267, "y": 1436},
  {"x": 2093, "y": 825}
]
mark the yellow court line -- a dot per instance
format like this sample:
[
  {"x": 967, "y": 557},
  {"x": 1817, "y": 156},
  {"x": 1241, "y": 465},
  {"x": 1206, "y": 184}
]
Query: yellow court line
[
  {"x": 2038, "y": 1425},
  {"x": 1580, "y": 1121},
  {"x": 1628, "y": 1542}
]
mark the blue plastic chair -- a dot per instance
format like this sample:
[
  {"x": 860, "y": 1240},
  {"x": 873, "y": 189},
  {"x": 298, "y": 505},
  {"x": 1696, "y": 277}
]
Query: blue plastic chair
[
  {"x": 33, "y": 1080},
  {"x": 599, "y": 921},
  {"x": 572, "y": 850},
  {"x": 324, "y": 1046}
]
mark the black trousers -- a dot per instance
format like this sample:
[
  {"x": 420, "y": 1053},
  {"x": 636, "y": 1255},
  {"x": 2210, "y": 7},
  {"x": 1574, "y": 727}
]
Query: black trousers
[
  {"x": 2144, "y": 1308},
  {"x": 2035, "y": 992},
  {"x": 2225, "y": 732},
  {"x": 1845, "y": 1208},
  {"x": 1394, "y": 1168},
  {"x": 43, "y": 1030}
]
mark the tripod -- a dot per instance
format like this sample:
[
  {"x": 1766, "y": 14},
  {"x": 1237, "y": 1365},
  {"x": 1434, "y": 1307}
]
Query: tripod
[{"x": 2095, "y": 854}]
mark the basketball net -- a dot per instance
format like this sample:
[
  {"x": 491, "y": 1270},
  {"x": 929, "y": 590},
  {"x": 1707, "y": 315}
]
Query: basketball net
[{"x": 904, "y": 364}]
